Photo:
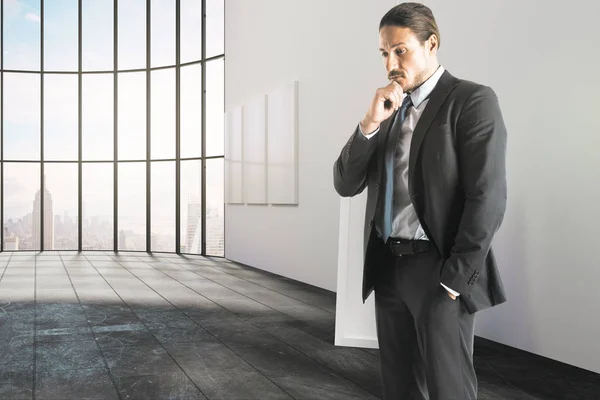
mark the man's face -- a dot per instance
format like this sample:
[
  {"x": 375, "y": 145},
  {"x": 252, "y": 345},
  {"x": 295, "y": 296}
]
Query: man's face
[{"x": 405, "y": 59}]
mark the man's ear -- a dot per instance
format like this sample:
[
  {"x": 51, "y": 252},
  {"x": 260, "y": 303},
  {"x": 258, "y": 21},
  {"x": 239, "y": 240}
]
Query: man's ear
[{"x": 432, "y": 43}]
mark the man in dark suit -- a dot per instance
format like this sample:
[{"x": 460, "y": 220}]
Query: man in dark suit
[{"x": 431, "y": 150}]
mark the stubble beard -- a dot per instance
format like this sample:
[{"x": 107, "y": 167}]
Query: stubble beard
[{"x": 420, "y": 78}]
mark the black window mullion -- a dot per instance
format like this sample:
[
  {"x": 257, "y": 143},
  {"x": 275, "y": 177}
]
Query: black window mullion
[
  {"x": 42, "y": 179},
  {"x": 178, "y": 128},
  {"x": 203, "y": 183},
  {"x": 224, "y": 105},
  {"x": 148, "y": 127},
  {"x": 116, "y": 126},
  {"x": 79, "y": 128}
]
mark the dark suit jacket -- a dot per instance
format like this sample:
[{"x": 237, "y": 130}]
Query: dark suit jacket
[{"x": 457, "y": 184}]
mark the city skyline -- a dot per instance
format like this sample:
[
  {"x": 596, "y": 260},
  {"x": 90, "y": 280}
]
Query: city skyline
[{"x": 60, "y": 232}]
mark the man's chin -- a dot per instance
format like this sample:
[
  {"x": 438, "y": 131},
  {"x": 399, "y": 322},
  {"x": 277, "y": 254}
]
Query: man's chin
[{"x": 407, "y": 89}]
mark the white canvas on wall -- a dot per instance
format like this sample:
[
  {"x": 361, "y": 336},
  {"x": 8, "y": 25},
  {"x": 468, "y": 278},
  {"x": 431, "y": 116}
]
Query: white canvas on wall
[
  {"x": 234, "y": 193},
  {"x": 282, "y": 145},
  {"x": 255, "y": 150}
]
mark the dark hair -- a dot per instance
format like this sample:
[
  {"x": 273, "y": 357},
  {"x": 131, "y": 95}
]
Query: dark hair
[{"x": 415, "y": 16}]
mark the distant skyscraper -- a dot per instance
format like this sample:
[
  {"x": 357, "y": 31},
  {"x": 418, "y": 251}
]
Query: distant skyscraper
[
  {"x": 122, "y": 240},
  {"x": 84, "y": 214},
  {"x": 193, "y": 242},
  {"x": 153, "y": 242},
  {"x": 48, "y": 220},
  {"x": 215, "y": 238},
  {"x": 11, "y": 243}
]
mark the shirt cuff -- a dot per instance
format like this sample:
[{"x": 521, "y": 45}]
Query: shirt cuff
[
  {"x": 450, "y": 290},
  {"x": 370, "y": 135}
]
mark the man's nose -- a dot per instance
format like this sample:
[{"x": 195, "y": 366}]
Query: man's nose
[{"x": 391, "y": 64}]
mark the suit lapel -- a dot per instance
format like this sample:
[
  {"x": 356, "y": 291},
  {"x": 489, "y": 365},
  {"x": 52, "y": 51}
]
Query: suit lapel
[{"x": 439, "y": 94}]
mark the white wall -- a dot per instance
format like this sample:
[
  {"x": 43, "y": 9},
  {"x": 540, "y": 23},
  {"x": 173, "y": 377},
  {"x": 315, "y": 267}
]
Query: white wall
[
  {"x": 542, "y": 61},
  {"x": 330, "y": 47}
]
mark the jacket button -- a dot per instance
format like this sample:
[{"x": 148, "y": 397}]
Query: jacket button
[{"x": 370, "y": 223}]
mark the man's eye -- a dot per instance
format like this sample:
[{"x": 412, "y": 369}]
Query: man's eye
[
  {"x": 384, "y": 54},
  {"x": 398, "y": 52}
]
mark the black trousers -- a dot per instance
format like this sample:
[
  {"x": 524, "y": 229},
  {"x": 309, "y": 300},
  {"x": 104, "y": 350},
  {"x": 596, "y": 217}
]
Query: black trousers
[{"x": 425, "y": 337}]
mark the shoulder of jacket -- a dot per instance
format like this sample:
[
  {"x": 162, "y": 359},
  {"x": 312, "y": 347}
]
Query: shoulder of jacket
[
  {"x": 471, "y": 87},
  {"x": 466, "y": 88}
]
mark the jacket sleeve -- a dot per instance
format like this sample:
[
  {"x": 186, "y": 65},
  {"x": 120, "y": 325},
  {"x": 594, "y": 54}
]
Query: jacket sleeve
[
  {"x": 481, "y": 138},
  {"x": 350, "y": 169}
]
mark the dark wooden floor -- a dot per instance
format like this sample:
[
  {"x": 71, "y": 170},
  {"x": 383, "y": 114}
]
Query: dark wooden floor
[{"x": 136, "y": 326}]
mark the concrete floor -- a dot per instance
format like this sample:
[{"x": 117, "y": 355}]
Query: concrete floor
[{"x": 99, "y": 325}]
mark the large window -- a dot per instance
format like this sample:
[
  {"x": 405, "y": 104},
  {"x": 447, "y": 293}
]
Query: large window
[{"x": 112, "y": 125}]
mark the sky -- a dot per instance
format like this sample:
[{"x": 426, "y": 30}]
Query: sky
[{"x": 22, "y": 120}]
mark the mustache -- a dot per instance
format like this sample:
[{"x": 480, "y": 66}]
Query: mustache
[{"x": 394, "y": 75}]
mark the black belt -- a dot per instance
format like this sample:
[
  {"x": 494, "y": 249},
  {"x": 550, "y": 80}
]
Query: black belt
[{"x": 403, "y": 247}]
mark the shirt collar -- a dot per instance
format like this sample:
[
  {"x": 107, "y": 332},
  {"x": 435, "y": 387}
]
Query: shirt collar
[{"x": 421, "y": 93}]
